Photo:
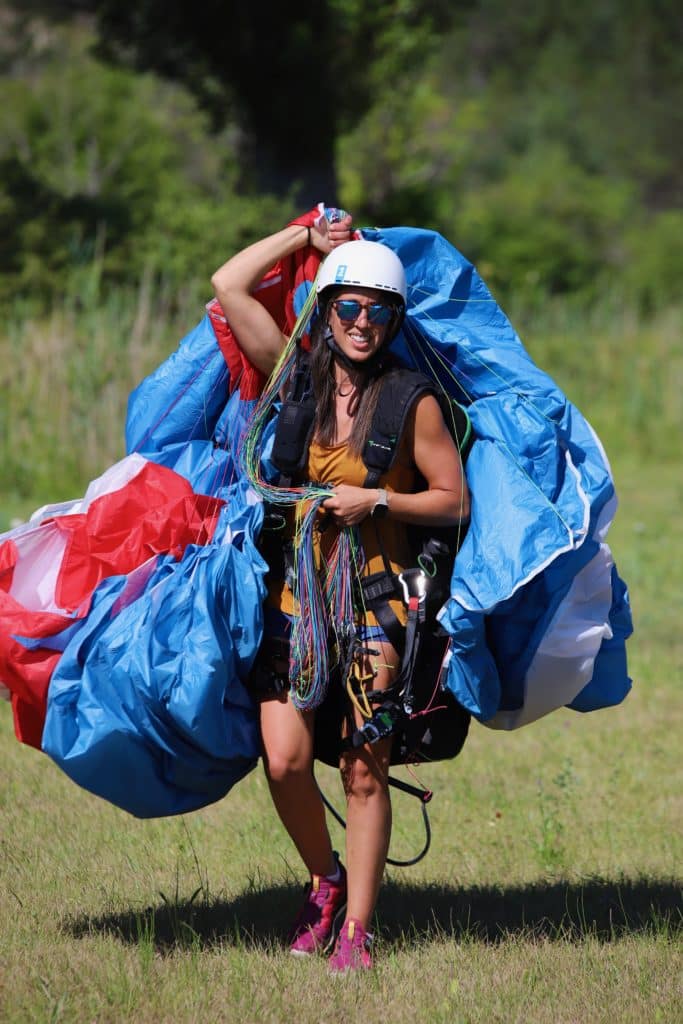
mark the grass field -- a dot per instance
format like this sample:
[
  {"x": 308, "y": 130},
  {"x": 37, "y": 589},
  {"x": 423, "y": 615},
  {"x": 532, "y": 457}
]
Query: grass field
[{"x": 551, "y": 892}]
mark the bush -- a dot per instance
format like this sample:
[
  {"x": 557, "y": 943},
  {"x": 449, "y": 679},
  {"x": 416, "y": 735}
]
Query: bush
[
  {"x": 653, "y": 265},
  {"x": 103, "y": 164},
  {"x": 547, "y": 227}
]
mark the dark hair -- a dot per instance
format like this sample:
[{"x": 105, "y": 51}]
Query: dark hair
[{"x": 368, "y": 387}]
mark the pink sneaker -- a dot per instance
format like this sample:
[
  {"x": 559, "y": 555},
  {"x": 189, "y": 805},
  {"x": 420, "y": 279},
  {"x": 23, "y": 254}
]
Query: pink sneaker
[
  {"x": 316, "y": 926},
  {"x": 352, "y": 952}
]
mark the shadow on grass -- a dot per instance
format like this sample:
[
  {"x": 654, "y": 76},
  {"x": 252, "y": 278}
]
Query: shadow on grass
[{"x": 410, "y": 914}]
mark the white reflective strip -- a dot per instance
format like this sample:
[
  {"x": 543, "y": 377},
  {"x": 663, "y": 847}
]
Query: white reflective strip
[
  {"x": 585, "y": 500},
  {"x": 267, "y": 284}
]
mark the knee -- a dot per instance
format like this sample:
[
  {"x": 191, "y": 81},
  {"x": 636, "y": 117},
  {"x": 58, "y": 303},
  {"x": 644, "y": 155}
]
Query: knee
[
  {"x": 363, "y": 781},
  {"x": 283, "y": 766}
]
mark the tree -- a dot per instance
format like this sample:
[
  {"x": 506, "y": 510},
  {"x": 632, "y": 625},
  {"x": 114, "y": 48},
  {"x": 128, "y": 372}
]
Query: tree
[
  {"x": 291, "y": 76},
  {"x": 102, "y": 163}
]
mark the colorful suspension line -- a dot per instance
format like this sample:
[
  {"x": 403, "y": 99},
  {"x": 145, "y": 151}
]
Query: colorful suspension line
[
  {"x": 323, "y": 594},
  {"x": 262, "y": 414},
  {"x": 309, "y": 658}
]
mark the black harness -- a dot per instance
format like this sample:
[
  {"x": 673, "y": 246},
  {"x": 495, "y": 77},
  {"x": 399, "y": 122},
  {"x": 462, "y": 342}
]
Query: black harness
[{"x": 423, "y": 587}]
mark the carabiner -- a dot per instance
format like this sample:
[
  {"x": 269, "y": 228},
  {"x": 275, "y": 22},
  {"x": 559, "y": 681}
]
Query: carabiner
[{"x": 414, "y": 584}]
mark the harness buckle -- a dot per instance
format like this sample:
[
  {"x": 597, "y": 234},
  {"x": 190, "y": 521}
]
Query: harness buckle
[{"x": 414, "y": 584}]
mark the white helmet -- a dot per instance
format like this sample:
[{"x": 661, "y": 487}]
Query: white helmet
[{"x": 363, "y": 264}]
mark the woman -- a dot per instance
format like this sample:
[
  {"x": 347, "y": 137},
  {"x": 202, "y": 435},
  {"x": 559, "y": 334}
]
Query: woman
[{"x": 361, "y": 302}]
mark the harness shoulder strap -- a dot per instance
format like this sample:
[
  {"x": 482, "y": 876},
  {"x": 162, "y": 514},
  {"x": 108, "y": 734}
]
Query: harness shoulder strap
[
  {"x": 400, "y": 389},
  {"x": 295, "y": 421}
]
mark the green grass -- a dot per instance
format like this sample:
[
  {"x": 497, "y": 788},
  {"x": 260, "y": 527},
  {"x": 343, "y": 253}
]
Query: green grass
[
  {"x": 551, "y": 892},
  {"x": 65, "y": 385}
]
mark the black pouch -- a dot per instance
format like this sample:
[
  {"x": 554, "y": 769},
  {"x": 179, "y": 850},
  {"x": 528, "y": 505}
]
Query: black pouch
[{"x": 269, "y": 676}]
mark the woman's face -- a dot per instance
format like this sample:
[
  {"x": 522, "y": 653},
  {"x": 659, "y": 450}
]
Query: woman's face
[{"x": 359, "y": 319}]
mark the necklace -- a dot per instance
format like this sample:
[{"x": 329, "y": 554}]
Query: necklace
[{"x": 345, "y": 394}]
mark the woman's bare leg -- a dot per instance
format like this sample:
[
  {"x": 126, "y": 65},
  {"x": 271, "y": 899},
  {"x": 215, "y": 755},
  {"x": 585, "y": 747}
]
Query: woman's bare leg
[
  {"x": 368, "y": 816},
  {"x": 287, "y": 738},
  {"x": 368, "y": 827}
]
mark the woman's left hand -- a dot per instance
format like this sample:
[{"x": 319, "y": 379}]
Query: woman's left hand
[
  {"x": 340, "y": 231},
  {"x": 348, "y": 505},
  {"x": 327, "y": 235}
]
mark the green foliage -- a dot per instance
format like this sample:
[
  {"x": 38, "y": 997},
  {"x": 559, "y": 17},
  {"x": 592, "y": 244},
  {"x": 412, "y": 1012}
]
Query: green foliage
[
  {"x": 654, "y": 259},
  {"x": 549, "y": 226},
  {"x": 541, "y": 140},
  {"x": 544, "y": 140},
  {"x": 104, "y": 165}
]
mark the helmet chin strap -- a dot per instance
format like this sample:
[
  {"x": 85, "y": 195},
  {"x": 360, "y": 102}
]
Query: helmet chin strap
[{"x": 371, "y": 365}]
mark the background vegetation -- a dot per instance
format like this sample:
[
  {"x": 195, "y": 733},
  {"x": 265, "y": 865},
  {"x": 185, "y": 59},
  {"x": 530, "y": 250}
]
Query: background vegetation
[
  {"x": 141, "y": 144},
  {"x": 137, "y": 150},
  {"x": 545, "y": 140}
]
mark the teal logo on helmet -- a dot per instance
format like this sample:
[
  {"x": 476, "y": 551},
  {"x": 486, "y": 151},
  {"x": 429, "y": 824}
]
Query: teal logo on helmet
[{"x": 341, "y": 273}]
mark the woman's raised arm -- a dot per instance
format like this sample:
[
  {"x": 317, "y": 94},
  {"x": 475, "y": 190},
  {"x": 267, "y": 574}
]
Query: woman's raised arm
[{"x": 258, "y": 335}]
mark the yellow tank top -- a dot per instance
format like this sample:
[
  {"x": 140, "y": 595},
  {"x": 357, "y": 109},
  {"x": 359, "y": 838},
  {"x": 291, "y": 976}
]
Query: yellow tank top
[{"x": 335, "y": 464}]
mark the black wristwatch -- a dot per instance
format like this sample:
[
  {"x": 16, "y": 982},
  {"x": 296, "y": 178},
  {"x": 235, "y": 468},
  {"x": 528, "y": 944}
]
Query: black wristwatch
[{"x": 381, "y": 506}]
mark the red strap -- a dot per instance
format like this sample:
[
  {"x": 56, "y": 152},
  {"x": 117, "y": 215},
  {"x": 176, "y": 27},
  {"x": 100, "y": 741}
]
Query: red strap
[
  {"x": 282, "y": 291},
  {"x": 243, "y": 373},
  {"x": 310, "y": 218}
]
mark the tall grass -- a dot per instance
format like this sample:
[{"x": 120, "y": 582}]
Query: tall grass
[
  {"x": 622, "y": 368},
  {"x": 65, "y": 379}
]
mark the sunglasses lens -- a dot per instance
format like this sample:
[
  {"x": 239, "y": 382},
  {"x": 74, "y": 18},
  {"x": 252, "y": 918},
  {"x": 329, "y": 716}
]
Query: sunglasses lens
[
  {"x": 346, "y": 309},
  {"x": 349, "y": 310},
  {"x": 379, "y": 314}
]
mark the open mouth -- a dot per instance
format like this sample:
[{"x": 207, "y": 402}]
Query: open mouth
[{"x": 360, "y": 341}]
